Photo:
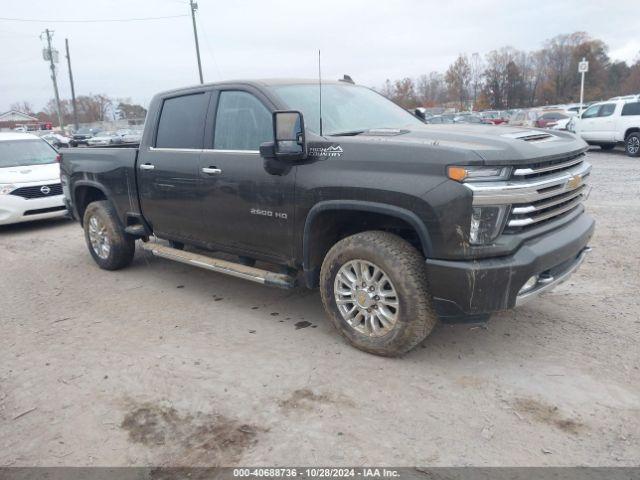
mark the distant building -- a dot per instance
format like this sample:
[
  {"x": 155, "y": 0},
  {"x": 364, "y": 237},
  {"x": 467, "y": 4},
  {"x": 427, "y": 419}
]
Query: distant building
[{"x": 13, "y": 118}]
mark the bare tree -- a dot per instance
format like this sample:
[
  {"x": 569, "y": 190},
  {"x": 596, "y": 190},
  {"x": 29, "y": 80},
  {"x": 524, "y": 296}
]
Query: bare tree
[
  {"x": 457, "y": 78},
  {"x": 24, "y": 107}
]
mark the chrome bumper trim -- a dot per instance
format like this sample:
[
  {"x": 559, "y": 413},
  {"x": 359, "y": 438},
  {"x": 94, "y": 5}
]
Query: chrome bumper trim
[{"x": 550, "y": 282}]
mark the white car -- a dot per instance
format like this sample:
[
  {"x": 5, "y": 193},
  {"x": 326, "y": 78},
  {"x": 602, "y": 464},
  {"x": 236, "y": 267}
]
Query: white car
[
  {"x": 608, "y": 123},
  {"x": 133, "y": 136},
  {"x": 30, "y": 186},
  {"x": 58, "y": 141},
  {"x": 104, "y": 138}
]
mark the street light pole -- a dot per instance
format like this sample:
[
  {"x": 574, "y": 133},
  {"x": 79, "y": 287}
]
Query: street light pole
[
  {"x": 194, "y": 7},
  {"x": 583, "y": 67},
  {"x": 49, "y": 34},
  {"x": 73, "y": 91}
]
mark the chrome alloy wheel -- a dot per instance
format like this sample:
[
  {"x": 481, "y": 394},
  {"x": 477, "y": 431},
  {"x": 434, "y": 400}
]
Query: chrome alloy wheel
[
  {"x": 366, "y": 298},
  {"x": 99, "y": 238},
  {"x": 633, "y": 145}
]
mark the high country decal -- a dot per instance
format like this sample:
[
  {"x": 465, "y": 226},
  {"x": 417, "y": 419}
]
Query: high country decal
[{"x": 330, "y": 151}]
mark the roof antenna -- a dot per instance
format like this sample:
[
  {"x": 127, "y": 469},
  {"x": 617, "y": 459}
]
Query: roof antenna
[{"x": 320, "y": 90}]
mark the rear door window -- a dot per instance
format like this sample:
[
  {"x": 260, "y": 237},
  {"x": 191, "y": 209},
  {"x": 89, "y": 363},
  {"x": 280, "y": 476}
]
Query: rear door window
[
  {"x": 242, "y": 122},
  {"x": 631, "y": 109},
  {"x": 181, "y": 122}
]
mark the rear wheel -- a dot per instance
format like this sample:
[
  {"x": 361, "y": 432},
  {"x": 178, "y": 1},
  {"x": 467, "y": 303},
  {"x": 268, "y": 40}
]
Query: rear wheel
[
  {"x": 110, "y": 246},
  {"x": 632, "y": 144},
  {"x": 374, "y": 289}
]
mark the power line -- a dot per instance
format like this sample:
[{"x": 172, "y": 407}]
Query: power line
[{"x": 107, "y": 20}]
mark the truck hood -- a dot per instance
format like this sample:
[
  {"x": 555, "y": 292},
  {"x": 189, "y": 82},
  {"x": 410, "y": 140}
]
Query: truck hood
[
  {"x": 30, "y": 173},
  {"x": 493, "y": 144}
]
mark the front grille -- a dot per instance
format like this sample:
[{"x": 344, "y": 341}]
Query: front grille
[
  {"x": 37, "y": 191},
  {"x": 553, "y": 200}
]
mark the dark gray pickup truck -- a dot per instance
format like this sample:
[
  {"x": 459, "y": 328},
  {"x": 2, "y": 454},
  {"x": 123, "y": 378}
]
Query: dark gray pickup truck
[{"x": 399, "y": 223}]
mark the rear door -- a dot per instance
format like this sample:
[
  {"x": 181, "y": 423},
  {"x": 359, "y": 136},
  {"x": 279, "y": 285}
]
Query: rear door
[
  {"x": 246, "y": 208},
  {"x": 168, "y": 171}
]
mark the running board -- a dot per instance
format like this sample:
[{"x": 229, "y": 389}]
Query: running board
[{"x": 257, "y": 275}]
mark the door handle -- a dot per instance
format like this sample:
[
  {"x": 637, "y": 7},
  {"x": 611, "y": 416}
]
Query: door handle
[
  {"x": 211, "y": 170},
  {"x": 147, "y": 166}
]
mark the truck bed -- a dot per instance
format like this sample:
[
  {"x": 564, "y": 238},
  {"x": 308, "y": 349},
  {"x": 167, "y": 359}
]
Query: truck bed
[{"x": 105, "y": 168}]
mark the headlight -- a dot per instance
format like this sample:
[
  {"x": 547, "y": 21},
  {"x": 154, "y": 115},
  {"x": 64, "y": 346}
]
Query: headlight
[
  {"x": 486, "y": 223},
  {"x": 6, "y": 188},
  {"x": 478, "y": 174}
]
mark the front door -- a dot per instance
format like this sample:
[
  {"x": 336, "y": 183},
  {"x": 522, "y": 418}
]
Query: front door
[
  {"x": 587, "y": 124},
  {"x": 603, "y": 125},
  {"x": 245, "y": 208},
  {"x": 168, "y": 173}
]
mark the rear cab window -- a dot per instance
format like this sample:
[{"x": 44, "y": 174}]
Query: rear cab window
[{"x": 182, "y": 121}]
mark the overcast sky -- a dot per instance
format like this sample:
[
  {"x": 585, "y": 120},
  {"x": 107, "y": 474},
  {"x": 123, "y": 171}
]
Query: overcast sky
[{"x": 369, "y": 39}]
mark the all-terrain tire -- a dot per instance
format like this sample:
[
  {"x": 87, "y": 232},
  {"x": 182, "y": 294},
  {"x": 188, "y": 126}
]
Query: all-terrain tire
[
  {"x": 405, "y": 267},
  {"x": 102, "y": 217},
  {"x": 632, "y": 144}
]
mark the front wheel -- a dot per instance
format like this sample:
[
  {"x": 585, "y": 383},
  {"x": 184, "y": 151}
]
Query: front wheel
[
  {"x": 110, "y": 246},
  {"x": 632, "y": 144},
  {"x": 374, "y": 289}
]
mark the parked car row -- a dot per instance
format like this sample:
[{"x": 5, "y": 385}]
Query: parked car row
[
  {"x": 605, "y": 124},
  {"x": 96, "y": 137}
]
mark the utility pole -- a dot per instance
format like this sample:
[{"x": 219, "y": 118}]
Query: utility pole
[
  {"x": 194, "y": 7},
  {"x": 73, "y": 91},
  {"x": 49, "y": 56}
]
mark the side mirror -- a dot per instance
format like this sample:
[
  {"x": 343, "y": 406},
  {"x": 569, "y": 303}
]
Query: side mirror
[
  {"x": 420, "y": 114},
  {"x": 289, "y": 138}
]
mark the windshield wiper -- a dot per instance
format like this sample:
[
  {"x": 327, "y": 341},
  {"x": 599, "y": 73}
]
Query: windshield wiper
[{"x": 351, "y": 133}]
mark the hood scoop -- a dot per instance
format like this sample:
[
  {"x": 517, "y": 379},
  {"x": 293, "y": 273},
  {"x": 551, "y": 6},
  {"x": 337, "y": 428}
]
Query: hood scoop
[{"x": 531, "y": 136}]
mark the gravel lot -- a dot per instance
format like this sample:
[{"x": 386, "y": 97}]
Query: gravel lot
[{"x": 165, "y": 364}]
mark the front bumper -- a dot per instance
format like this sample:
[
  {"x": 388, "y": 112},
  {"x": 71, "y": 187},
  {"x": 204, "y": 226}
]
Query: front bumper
[
  {"x": 14, "y": 209},
  {"x": 490, "y": 285}
]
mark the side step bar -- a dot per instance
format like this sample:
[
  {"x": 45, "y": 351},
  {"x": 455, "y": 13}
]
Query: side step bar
[{"x": 257, "y": 275}]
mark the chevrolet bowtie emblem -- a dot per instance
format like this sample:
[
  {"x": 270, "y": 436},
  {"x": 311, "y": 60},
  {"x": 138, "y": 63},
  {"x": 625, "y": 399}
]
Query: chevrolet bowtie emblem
[{"x": 574, "y": 182}]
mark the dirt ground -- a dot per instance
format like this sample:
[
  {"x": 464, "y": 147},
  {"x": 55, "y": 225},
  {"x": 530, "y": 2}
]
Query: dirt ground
[{"x": 165, "y": 364}]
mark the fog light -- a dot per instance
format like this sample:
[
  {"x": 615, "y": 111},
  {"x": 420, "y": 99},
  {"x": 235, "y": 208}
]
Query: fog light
[{"x": 529, "y": 284}]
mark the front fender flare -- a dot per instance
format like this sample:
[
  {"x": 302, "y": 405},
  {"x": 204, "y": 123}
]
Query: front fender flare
[{"x": 382, "y": 208}]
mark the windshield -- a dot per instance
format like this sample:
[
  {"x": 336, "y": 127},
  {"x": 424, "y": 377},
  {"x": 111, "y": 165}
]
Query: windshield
[
  {"x": 14, "y": 153},
  {"x": 345, "y": 108}
]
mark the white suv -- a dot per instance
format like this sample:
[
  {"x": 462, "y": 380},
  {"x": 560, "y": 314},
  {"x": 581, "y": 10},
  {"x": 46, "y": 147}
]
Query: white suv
[
  {"x": 30, "y": 186},
  {"x": 608, "y": 123}
]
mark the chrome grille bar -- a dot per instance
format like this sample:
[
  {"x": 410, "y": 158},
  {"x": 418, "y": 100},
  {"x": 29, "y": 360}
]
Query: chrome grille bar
[
  {"x": 528, "y": 191},
  {"x": 548, "y": 168},
  {"x": 521, "y": 210},
  {"x": 522, "y": 222}
]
